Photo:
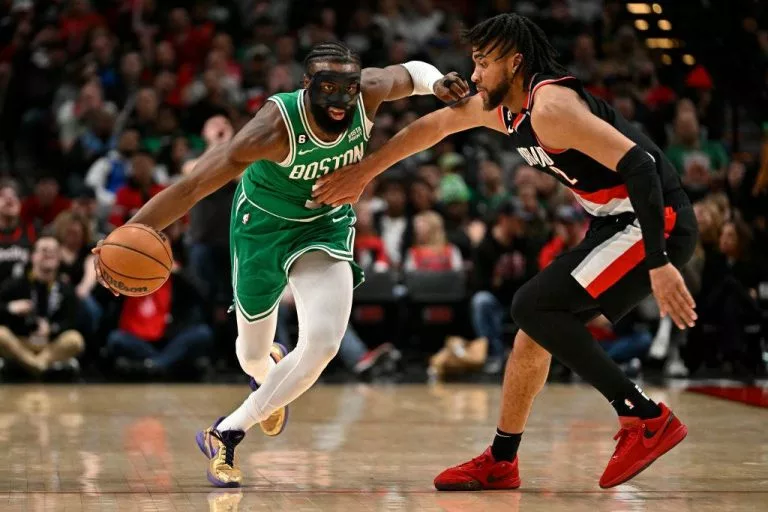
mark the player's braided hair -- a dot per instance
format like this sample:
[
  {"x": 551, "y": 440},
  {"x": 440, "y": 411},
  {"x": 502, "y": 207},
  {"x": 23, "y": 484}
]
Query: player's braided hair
[
  {"x": 332, "y": 51},
  {"x": 512, "y": 31}
]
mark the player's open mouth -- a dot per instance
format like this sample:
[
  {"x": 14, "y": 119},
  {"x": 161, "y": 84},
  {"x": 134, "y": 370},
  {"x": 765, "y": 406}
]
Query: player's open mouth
[{"x": 336, "y": 114}]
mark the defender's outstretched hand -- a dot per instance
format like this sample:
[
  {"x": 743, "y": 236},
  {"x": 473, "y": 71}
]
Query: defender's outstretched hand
[{"x": 342, "y": 186}]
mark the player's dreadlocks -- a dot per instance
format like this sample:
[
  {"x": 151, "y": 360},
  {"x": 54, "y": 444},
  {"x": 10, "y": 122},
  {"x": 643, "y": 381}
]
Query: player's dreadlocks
[
  {"x": 512, "y": 31},
  {"x": 332, "y": 51}
]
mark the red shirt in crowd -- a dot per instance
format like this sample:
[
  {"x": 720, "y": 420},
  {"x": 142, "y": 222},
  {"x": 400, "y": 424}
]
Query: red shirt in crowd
[
  {"x": 32, "y": 211},
  {"x": 369, "y": 250},
  {"x": 433, "y": 259},
  {"x": 146, "y": 317},
  {"x": 128, "y": 200}
]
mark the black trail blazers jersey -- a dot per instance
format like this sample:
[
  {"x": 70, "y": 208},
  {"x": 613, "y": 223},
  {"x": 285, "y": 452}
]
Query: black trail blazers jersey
[
  {"x": 15, "y": 249},
  {"x": 600, "y": 190}
]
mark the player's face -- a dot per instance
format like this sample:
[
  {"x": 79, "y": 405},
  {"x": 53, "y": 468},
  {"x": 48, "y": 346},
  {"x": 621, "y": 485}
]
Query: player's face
[
  {"x": 493, "y": 75},
  {"x": 333, "y": 91}
]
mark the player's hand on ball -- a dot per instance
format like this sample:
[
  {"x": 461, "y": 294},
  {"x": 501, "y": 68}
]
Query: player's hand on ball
[
  {"x": 99, "y": 275},
  {"x": 343, "y": 186},
  {"x": 673, "y": 296},
  {"x": 451, "y": 88}
]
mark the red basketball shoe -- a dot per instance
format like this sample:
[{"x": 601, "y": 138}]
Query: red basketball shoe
[
  {"x": 479, "y": 474},
  {"x": 641, "y": 442}
]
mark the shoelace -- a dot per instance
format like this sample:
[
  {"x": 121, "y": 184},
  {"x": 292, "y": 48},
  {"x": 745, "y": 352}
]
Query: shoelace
[
  {"x": 229, "y": 450},
  {"x": 475, "y": 463},
  {"x": 627, "y": 437}
]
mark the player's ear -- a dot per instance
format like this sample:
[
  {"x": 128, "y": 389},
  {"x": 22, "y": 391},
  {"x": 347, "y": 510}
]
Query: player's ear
[
  {"x": 305, "y": 81},
  {"x": 517, "y": 60}
]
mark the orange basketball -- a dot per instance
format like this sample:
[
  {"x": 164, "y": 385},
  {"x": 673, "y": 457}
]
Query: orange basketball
[{"x": 136, "y": 260}]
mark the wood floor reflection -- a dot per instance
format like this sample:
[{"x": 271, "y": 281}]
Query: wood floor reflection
[{"x": 360, "y": 448}]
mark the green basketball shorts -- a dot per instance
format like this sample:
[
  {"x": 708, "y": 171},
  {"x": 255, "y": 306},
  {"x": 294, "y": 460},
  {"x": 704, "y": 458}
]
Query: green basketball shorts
[{"x": 263, "y": 247}]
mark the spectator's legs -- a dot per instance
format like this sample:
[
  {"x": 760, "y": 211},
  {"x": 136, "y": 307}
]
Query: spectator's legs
[
  {"x": 90, "y": 314},
  {"x": 284, "y": 312},
  {"x": 352, "y": 348},
  {"x": 123, "y": 344},
  {"x": 190, "y": 343},
  {"x": 65, "y": 346},
  {"x": 11, "y": 347},
  {"x": 628, "y": 347},
  {"x": 201, "y": 262},
  {"x": 487, "y": 319}
]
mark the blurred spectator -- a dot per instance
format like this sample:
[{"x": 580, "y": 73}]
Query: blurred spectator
[
  {"x": 422, "y": 196},
  {"x": 140, "y": 188},
  {"x": 585, "y": 66},
  {"x": 86, "y": 206},
  {"x": 189, "y": 42},
  {"x": 73, "y": 114},
  {"x": 144, "y": 116},
  {"x": 728, "y": 298},
  {"x": 534, "y": 215},
  {"x": 627, "y": 342},
  {"x": 45, "y": 204},
  {"x": 38, "y": 314},
  {"x": 370, "y": 253},
  {"x": 162, "y": 333},
  {"x": 75, "y": 238},
  {"x": 394, "y": 225},
  {"x": 502, "y": 265},
  {"x": 454, "y": 197},
  {"x": 16, "y": 236},
  {"x": 129, "y": 82},
  {"x": 76, "y": 23},
  {"x": 110, "y": 172},
  {"x": 208, "y": 243},
  {"x": 94, "y": 143},
  {"x": 698, "y": 161},
  {"x": 285, "y": 55},
  {"x": 570, "y": 228},
  {"x": 491, "y": 190},
  {"x": 431, "y": 252}
]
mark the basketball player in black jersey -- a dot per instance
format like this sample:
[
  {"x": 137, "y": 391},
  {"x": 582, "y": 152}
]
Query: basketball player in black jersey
[{"x": 643, "y": 230}]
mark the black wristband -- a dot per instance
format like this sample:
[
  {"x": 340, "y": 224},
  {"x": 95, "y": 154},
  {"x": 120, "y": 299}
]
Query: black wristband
[
  {"x": 656, "y": 260},
  {"x": 643, "y": 182}
]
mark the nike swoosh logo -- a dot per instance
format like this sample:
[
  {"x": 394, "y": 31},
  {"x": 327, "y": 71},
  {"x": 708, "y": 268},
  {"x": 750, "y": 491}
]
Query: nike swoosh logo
[
  {"x": 339, "y": 219},
  {"x": 649, "y": 436},
  {"x": 492, "y": 479},
  {"x": 306, "y": 151}
]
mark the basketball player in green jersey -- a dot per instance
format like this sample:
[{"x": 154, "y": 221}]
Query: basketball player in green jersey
[{"x": 280, "y": 237}]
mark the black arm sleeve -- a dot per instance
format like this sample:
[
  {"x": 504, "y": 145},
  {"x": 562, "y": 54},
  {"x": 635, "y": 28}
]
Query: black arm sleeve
[{"x": 644, "y": 187}]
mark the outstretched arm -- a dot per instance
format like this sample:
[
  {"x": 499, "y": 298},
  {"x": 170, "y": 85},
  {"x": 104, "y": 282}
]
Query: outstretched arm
[
  {"x": 412, "y": 78},
  {"x": 263, "y": 138},
  {"x": 345, "y": 185}
]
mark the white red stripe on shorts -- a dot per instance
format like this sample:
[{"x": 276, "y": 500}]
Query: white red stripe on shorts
[
  {"x": 609, "y": 201},
  {"x": 615, "y": 257}
]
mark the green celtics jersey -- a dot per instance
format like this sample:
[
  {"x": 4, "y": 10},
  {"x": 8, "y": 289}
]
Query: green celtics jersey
[{"x": 284, "y": 189}]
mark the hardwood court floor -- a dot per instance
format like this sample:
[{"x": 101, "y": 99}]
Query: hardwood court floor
[{"x": 358, "y": 448}]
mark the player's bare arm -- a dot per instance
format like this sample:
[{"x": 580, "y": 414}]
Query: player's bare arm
[
  {"x": 346, "y": 184},
  {"x": 562, "y": 120},
  {"x": 398, "y": 81},
  {"x": 263, "y": 138}
]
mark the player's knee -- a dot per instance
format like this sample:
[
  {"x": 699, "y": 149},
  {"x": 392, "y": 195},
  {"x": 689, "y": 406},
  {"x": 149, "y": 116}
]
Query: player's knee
[
  {"x": 483, "y": 300},
  {"x": 252, "y": 354},
  {"x": 324, "y": 341},
  {"x": 524, "y": 303}
]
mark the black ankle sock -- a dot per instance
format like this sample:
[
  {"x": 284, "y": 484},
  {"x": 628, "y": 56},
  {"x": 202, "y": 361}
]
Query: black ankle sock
[
  {"x": 505, "y": 445},
  {"x": 633, "y": 402}
]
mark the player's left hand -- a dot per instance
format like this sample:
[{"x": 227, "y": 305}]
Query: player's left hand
[
  {"x": 451, "y": 88},
  {"x": 673, "y": 296},
  {"x": 342, "y": 186}
]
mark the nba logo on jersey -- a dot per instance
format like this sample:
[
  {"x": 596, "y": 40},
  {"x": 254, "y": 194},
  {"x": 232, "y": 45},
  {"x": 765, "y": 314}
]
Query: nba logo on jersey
[{"x": 246, "y": 217}]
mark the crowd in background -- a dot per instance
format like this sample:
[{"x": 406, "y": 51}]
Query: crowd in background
[{"x": 106, "y": 103}]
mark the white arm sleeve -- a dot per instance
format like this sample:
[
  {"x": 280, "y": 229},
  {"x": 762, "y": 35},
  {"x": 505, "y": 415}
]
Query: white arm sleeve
[{"x": 423, "y": 75}]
